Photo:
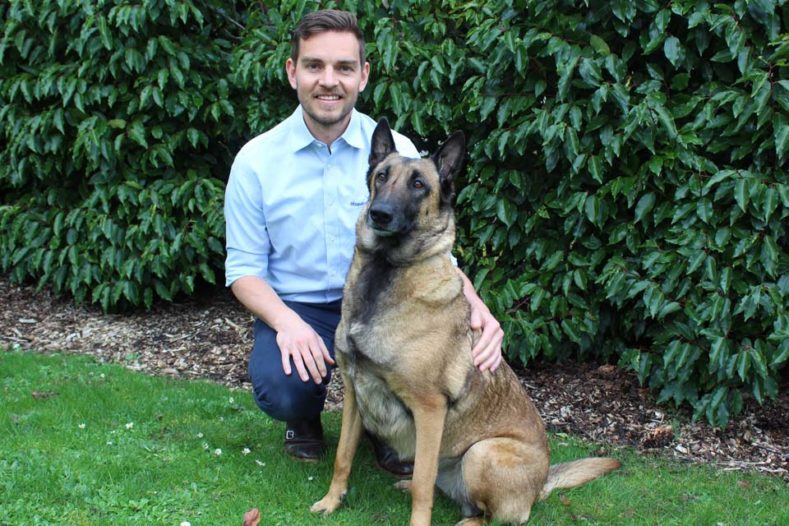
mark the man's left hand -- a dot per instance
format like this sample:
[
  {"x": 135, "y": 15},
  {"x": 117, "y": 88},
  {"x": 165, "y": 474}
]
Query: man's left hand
[{"x": 487, "y": 351}]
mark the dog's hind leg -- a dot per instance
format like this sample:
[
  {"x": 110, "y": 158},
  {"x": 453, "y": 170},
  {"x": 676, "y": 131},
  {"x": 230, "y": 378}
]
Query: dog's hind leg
[
  {"x": 350, "y": 434},
  {"x": 504, "y": 477}
]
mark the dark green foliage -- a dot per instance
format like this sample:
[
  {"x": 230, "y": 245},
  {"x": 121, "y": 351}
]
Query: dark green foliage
[
  {"x": 115, "y": 118},
  {"x": 626, "y": 194}
]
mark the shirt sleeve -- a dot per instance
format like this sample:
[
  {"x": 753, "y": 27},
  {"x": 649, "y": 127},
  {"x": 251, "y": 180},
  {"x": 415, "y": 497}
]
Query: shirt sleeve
[{"x": 248, "y": 243}]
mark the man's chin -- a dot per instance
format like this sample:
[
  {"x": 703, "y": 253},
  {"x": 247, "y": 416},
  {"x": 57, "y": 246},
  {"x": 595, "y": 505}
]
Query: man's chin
[{"x": 328, "y": 118}]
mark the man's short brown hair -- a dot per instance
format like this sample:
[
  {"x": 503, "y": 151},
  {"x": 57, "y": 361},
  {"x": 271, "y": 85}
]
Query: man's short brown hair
[{"x": 323, "y": 21}]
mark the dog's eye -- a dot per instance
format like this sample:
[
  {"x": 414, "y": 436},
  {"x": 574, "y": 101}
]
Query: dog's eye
[
  {"x": 418, "y": 184},
  {"x": 380, "y": 177}
]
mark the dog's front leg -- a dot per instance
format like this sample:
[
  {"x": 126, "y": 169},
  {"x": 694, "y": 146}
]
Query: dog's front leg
[
  {"x": 429, "y": 414},
  {"x": 350, "y": 434}
]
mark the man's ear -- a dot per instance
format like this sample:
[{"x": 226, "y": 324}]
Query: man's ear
[
  {"x": 382, "y": 143},
  {"x": 290, "y": 69},
  {"x": 449, "y": 160},
  {"x": 365, "y": 76}
]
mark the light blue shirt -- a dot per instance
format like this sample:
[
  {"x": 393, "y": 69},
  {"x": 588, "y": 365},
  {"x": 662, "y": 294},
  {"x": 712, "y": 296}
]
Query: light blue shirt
[{"x": 291, "y": 206}]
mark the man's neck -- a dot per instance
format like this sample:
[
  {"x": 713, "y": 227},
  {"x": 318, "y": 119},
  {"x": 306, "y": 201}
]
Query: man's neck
[{"x": 326, "y": 134}]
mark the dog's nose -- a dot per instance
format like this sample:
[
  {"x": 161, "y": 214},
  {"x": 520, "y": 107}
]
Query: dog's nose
[{"x": 380, "y": 216}]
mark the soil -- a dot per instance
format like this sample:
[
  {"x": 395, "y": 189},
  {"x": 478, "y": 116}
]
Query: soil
[{"x": 209, "y": 338}]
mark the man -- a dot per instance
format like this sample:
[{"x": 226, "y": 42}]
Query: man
[{"x": 291, "y": 205}]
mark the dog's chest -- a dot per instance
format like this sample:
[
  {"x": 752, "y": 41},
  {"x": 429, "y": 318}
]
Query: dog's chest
[{"x": 383, "y": 412}]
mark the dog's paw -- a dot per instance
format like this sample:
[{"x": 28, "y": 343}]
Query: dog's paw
[
  {"x": 403, "y": 485},
  {"x": 326, "y": 505}
]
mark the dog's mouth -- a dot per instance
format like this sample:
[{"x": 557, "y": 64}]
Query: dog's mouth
[{"x": 381, "y": 231}]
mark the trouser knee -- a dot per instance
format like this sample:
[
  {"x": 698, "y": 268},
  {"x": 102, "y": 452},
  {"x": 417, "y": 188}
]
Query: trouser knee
[{"x": 288, "y": 397}]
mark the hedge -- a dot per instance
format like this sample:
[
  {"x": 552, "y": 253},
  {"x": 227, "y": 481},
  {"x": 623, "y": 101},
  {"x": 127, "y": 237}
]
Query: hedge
[
  {"x": 626, "y": 191},
  {"x": 118, "y": 132}
]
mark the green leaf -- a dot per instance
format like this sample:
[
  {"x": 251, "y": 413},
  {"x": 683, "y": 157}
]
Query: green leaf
[
  {"x": 769, "y": 255},
  {"x": 741, "y": 194},
  {"x": 769, "y": 203},
  {"x": 599, "y": 45},
  {"x": 704, "y": 210},
  {"x": 668, "y": 308},
  {"x": 673, "y": 50},
  {"x": 593, "y": 210},
  {"x": 781, "y": 135},
  {"x": 725, "y": 281},
  {"x": 644, "y": 206},
  {"x": 506, "y": 212},
  {"x": 137, "y": 133},
  {"x": 596, "y": 168},
  {"x": 667, "y": 121}
]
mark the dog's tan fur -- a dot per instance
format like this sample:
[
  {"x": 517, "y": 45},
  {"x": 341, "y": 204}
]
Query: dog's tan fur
[{"x": 403, "y": 347}]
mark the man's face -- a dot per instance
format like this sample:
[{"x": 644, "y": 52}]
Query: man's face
[{"x": 328, "y": 79}]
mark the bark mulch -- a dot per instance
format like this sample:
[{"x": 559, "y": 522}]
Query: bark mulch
[{"x": 210, "y": 338}]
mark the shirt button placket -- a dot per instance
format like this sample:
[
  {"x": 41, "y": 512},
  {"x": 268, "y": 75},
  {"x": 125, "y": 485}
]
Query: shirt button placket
[{"x": 329, "y": 220}]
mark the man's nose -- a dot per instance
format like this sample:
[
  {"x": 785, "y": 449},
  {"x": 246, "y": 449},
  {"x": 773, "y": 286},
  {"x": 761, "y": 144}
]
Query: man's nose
[{"x": 328, "y": 78}]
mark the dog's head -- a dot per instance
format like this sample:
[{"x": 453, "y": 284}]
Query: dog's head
[{"x": 409, "y": 213}]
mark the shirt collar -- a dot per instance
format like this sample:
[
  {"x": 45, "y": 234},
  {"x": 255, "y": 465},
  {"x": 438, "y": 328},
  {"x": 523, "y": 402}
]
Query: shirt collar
[
  {"x": 301, "y": 137},
  {"x": 354, "y": 135}
]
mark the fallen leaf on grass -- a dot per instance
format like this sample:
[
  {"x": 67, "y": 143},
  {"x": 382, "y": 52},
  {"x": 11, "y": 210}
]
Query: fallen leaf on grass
[
  {"x": 252, "y": 517},
  {"x": 565, "y": 500}
]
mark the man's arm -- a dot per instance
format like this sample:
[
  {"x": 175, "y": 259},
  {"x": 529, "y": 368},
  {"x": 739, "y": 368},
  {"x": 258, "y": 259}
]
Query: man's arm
[
  {"x": 487, "y": 351},
  {"x": 295, "y": 337}
]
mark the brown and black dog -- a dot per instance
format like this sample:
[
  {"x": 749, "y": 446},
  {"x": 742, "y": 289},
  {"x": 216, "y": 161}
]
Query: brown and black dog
[{"x": 403, "y": 347}]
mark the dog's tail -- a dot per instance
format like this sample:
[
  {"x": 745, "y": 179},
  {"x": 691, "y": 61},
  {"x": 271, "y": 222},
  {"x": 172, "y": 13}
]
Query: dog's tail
[{"x": 572, "y": 474}]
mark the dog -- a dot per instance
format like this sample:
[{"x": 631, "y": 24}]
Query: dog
[{"x": 403, "y": 347}]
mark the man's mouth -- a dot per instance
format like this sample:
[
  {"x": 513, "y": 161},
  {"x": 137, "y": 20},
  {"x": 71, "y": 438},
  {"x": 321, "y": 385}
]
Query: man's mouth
[{"x": 328, "y": 98}]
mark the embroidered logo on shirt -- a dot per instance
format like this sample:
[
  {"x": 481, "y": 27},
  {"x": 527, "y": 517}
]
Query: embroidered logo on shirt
[{"x": 358, "y": 203}]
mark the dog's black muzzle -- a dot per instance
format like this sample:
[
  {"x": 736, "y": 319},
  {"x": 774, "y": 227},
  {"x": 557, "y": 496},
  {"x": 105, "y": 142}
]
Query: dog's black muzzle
[{"x": 385, "y": 219}]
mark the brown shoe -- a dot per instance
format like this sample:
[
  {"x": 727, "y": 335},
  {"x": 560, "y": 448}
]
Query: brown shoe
[
  {"x": 304, "y": 440},
  {"x": 388, "y": 460}
]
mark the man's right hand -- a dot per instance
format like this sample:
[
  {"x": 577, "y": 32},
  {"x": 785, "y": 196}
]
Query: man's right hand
[
  {"x": 299, "y": 342},
  {"x": 296, "y": 339}
]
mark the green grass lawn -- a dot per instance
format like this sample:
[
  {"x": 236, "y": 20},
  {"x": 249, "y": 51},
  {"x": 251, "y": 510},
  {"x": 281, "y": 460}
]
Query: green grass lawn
[{"x": 84, "y": 443}]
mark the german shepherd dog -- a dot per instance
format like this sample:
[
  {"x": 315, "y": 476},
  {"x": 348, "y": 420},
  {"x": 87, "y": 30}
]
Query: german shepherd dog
[{"x": 403, "y": 347}]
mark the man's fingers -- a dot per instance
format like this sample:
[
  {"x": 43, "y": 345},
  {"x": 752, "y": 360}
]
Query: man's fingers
[
  {"x": 491, "y": 362},
  {"x": 480, "y": 350},
  {"x": 298, "y": 361},
  {"x": 285, "y": 362},
  {"x": 325, "y": 352},
  {"x": 313, "y": 369},
  {"x": 317, "y": 357},
  {"x": 475, "y": 320}
]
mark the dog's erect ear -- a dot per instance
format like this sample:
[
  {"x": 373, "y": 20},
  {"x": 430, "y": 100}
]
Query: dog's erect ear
[
  {"x": 449, "y": 160},
  {"x": 382, "y": 144}
]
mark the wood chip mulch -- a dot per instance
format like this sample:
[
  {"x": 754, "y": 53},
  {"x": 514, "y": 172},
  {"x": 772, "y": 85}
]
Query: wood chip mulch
[{"x": 210, "y": 338}]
